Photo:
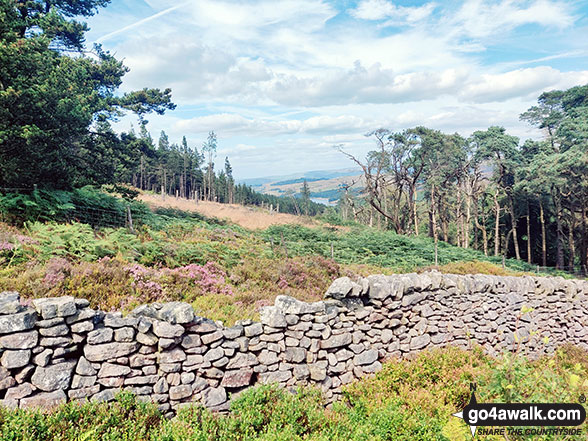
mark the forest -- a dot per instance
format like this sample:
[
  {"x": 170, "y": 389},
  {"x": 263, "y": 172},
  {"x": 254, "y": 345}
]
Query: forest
[{"x": 489, "y": 191}]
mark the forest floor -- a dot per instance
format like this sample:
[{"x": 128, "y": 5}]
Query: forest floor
[{"x": 252, "y": 218}]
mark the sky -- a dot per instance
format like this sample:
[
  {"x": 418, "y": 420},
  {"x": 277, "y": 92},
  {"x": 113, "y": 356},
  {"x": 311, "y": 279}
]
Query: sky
[{"x": 283, "y": 82}]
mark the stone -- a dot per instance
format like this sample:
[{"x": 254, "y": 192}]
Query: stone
[
  {"x": 380, "y": 288},
  {"x": 203, "y": 325},
  {"x": 147, "y": 339},
  {"x": 253, "y": 330},
  {"x": 295, "y": 355},
  {"x": 271, "y": 316},
  {"x": 54, "y": 377},
  {"x": 85, "y": 314},
  {"x": 20, "y": 391},
  {"x": 55, "y": 331},
  {"x": 161, "y": 386},
  {"x": 340, "y": 288},
  {"x": 336, "y": 341},
  {"x": 174, "y": 356},
  {"x": 242, "y": 360},
  {"x": 15, "y": 359},
  {"x": 81, "y": 381},
  {"x": 55, "y": 307},
  {"x": 44, "y": 400},
  {"x": 290, "y": 305},
  {"x": 10, "y": 303},
  {"x": 20, "y": 340},
  {"x": 24, "y": 374},
  {"x": 180, "y": 392},
  {"x": 214, "y": 396},
  {"x": 76, "y": 394},
  {"x": 43, "y": 358},
  {"x": 167, "y": 330},
  {"x": 98, "y": 336},
  {"x": 233, "y": 332},
  {"x": 237, "y": 378},
  {"x": 109, "y": 351},
  {"x": 113, "y": 370},
  {"x": 412, "y": 299},
  {"x": 82, "y": 327},
  {"x": 191, "y": 341},
  {"x": 367, "y": 357},
  {"x": 22, "y": 321},
  {"x": 212, "y": 337},
  {"x": 105, "y": 395},
  {"x": 171, "y": 312},
  {"x": 56, "y": 341},
  {"x": 118, "y": 321},
  {"x": 125, "y": 334},
  {"x": 317, "y": 373},
  {"x": 420, "y": 341},
  {"x": 84, "y": 367}
]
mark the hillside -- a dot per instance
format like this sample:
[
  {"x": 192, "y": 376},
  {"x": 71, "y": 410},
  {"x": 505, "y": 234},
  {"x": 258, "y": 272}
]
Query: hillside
[{"x": 252, "y": 218}]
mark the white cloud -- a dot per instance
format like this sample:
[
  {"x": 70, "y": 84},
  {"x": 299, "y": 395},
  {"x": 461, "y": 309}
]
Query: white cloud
[{"x": 383, "y": 9}]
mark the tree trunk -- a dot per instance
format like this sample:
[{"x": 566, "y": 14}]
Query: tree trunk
[
  {"x": 559, "y": 264},
  {"x": 529, "y": 257},
  {"x": 572, "y": 244},
  {"x": 543, "y": 234},
  {"x": 496, "y": 226},
  {"x": 513, "y": 221}
]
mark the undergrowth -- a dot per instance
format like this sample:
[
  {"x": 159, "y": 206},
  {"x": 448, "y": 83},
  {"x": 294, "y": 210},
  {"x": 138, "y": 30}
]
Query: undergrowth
[{"x": 408, "y": 400}]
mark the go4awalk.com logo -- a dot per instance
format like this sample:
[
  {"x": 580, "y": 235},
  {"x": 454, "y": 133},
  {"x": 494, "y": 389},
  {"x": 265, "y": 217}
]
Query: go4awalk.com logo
[{"x": 522, "y": 418}]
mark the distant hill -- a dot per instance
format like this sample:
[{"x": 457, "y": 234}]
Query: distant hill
[{"x": 325, "y": 185}]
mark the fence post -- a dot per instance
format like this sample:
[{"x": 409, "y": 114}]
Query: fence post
[{"x": 130, "y": 217}]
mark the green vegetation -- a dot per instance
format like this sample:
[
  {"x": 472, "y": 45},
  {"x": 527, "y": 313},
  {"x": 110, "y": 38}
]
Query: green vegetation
[
  {"x": 225, "y": 271},
  {"x": 408, "y": 400}
]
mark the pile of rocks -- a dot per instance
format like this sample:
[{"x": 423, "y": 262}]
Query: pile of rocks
[{"x": 60, "y": 349}]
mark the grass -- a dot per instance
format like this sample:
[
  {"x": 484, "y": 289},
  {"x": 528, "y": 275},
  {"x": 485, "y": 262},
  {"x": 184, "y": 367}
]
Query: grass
[
  {"x": 408, "y": 400},
  {"x": 225, "y": 270}
]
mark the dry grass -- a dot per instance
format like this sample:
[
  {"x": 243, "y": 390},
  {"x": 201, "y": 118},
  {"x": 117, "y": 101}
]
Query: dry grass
[{"x": 253, "y": 218}]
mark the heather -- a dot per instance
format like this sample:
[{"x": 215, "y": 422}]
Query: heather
[
  {"x": 408, "y": 400},
  {"x": 224, "y": 270}
]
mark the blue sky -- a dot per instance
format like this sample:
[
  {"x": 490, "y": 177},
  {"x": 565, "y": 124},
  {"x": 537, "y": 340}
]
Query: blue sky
[{"x": 282, "y": 82}]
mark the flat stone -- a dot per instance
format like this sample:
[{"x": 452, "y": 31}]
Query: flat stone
[
  {"x": 275, "y": 377},
  {"x": 82, "y": 327},
  {"x": 15, "y": 359},
  {"x": 20, "y": 340},
  {"x": 242, "y": 360},
  {"x": 98, "y": 336},
  {"x": 167, "y": 330},
  {"x": 420, "y": 342},
  {"x": 180, "y": 392},
  {"x": 10, "y": 303},
  {"x": 109, "y": 351},
  {"x": 105, "y": 395},
  {"x": 336, "y": 341},
  {"x": 76, "y": 394},
  {"x": 171, "y": 312},
  {"x": 44, "y": 400},
  {"x": 237, "y": 378},
  {"x": 55, "y": 307},
  {"x": 317, "y": 373},
  {"x": 82, "y": 381},
  {"x": 80, "y": 315},
  {"x": 174, "y": 356},
  {"x": 295, "y": 355},
  {"x": 290, "y": 305},
  {"x": 55, "y": 331},
  {"x": 367, "y": 357},
  {"x": 203, "y": 325},
  {"x": 253, "y": 330},
  {"x": 54, "y": 377},
  {"x": 113, "y": 370},
  {"x": 22, "y": 321},
  {"x": 18, "y": 392},
  {"x": 117, "y": 321},
  {"x": 212, "y": 337}
]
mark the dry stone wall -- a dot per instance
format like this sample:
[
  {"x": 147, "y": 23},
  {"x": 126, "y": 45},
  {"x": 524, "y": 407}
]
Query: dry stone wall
[{"x": 60, "y": 349}]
